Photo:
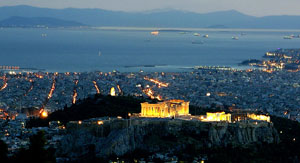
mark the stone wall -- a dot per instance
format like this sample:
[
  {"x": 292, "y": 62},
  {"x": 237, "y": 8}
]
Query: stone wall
[{"x": 117, "y": 137}]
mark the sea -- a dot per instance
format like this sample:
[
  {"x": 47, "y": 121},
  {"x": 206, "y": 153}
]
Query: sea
[{"x": 132, "y": 50}]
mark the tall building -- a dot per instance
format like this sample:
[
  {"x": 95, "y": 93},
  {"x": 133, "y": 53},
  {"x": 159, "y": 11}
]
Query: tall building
[{"x": 165, "y": 109}]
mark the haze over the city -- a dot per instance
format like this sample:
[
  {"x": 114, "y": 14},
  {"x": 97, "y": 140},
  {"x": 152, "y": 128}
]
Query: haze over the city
[{"x": 253, "y": 7}]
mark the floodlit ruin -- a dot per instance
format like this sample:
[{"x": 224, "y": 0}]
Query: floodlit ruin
[
  {"x": 259, "y": 117},
  {"x": 180, "y": 109},
  {"x": 164, "y": 109},
  {"x": 216, "y": 117}
]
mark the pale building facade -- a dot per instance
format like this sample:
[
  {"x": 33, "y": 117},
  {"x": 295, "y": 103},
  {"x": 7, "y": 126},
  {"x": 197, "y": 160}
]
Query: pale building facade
[
  {"x": 217, "y": 117},
  {"x": 259, "y": 117},
  {"x": 169, "y": 108}
]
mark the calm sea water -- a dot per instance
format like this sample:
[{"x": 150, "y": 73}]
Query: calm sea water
[{"x": 78, "y": 50}]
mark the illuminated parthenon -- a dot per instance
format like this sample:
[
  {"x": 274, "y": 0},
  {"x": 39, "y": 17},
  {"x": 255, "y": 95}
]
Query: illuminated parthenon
[{"x": 164, "y": 109}]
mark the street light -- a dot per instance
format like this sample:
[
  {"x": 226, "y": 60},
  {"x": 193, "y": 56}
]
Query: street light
[
  {"x": 44, "y": 114},
  {"x": 100, "y": 122}
]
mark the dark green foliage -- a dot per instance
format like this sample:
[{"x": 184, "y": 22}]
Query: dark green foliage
[
  {"x": 3, "y": 151},
  {"x": 137, "y": 154},
  {"x": 36, "y": 151},
  {"x": 256, "y": 153},
  {"x": 169, "y": 137},
  {"x": 99, "y": 106},
  {"x": 36, "y": 122},
  {"x": 289, "y": 133}
]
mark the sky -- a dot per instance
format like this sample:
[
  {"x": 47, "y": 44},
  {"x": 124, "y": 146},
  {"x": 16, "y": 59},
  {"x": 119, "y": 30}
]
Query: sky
[{"x": 250, "y": 7}]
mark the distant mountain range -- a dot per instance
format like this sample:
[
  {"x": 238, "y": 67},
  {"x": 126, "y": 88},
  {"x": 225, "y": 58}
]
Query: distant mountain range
[
  {"x": 159, "y": 18},
  {"x": 17, "y": 21}
]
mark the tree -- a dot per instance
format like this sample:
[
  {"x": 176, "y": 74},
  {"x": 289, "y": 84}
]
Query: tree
[
  {"x": 36, "y": 151},
  {"x": 3, "y": 151}
]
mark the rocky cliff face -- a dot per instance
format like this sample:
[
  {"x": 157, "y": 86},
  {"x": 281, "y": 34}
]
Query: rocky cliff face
[{"x": 161, "y": 135}]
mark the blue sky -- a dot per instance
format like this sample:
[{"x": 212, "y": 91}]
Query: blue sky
[{"x": 250, "y": 7}]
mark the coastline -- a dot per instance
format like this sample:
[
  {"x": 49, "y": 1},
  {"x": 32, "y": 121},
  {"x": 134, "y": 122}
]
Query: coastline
[
  {"x": 139, "y": 68},
  {"x": 163, "y": 29},
  {"x": 194, "y": 29}
]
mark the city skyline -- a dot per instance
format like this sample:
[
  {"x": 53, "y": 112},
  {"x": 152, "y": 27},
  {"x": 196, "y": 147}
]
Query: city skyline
[
  {"x": 149, "y": 81},
  {"x": 254, "y": 8}
]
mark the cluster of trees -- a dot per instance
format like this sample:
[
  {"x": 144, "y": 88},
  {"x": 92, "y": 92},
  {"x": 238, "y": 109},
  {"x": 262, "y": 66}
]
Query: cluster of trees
[
  {"x": 99, "y": 106},
  {"x": 35, "y": 153}
]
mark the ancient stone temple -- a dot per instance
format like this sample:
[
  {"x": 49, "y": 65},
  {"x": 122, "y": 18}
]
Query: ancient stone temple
[
  {"x": 217, "y": 117},
  {"x": 169, "y": 108}
]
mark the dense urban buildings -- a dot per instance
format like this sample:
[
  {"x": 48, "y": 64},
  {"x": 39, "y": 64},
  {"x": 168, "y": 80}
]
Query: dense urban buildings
[
  {"x": 25, "y": 94},
  {"x": 274, "y": 93}
]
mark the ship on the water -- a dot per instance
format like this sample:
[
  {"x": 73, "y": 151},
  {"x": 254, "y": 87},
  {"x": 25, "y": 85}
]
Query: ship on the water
[
  {"x": 196, "y": 34},
  {"x": 287, "y": 37},
  {"x": 155, "y": 33},
  {"x": 235, "y": 38}
]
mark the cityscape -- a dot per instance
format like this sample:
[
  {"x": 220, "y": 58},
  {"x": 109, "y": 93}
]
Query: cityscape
[
  {"x": 255, "y": 90},
  {"x": 160, "y": 82},
  {"x": 257, "y": 93}
]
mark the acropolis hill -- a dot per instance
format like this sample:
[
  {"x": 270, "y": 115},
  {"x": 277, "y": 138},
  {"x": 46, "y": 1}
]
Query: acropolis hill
[
  {"x": 168, "y": 125},
  {"x": 91, "y": 122},
  {"x": 119, "y": 136}
]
